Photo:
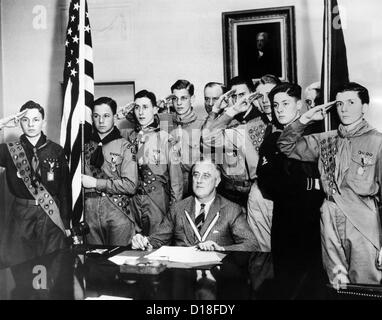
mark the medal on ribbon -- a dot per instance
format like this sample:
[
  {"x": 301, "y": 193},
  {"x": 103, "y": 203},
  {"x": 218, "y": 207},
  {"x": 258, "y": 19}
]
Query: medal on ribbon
[
  {"x": 50, "y": 174},
  {"x": 113, "y": 164}
]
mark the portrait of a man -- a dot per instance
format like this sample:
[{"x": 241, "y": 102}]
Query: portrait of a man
[
  {"x": 259, "y": 50},
  {"x": 260, "y": 42}
]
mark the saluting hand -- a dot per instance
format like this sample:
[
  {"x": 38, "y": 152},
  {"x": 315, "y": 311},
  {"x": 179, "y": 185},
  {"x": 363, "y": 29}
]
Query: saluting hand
[
  {"x": 242, "y": 104},
  {"x": 316, "y": 113},
  {"x": 167, "y": 102},
  {"x": 12, "y": 121},
  {"x": 124, "y": 112},
  {"x": 223, "y": 101}
]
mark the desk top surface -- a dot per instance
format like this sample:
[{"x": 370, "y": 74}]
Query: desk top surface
[{"x": 84, "y": 273}]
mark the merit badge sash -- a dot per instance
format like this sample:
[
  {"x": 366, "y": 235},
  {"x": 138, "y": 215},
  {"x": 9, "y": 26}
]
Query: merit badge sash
[{"x": 43, "y": 197}]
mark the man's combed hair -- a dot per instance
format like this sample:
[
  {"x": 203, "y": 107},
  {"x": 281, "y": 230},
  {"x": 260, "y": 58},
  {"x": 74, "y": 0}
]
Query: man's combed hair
[
  {"x": 146, "y": 94},
  {"x": 362, "y": 92},
  {"x": 216, "y": 84},
  {"x": 291, "y": 89},
  {"x": 236, "y": 81},
  {"x": 268, "y": 78},
  {"x": 108, "y": 101},
  {"x": 33, "y": 105},
  {"x": 315, "y": 86},
  {"x": 183, "y": 84}
]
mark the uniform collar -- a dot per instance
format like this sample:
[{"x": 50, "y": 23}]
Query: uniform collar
[
  {"x": 26, "y": 143},
  {"x": 185, "y": 119},
  {"x": 206, "y": 208}
]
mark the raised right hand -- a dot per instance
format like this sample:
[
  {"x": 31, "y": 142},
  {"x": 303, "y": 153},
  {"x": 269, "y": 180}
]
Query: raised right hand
[
  {"x": 167, "y": 103},
  {"x": 223, "y": 101},
  {"x": 13, "y": 120},
  {"x": 316, "y": 113},
  {"x": 125, "y": 110}
]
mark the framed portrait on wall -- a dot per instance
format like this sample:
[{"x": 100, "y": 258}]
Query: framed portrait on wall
[{"x": 258, "y": 42}]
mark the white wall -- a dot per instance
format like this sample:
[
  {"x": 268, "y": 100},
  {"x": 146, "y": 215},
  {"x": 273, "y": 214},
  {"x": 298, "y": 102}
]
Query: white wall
[{"x": 155, "y": 42}]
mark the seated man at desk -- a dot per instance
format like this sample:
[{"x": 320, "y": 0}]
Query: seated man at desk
[{"x": 205, "y": 219}]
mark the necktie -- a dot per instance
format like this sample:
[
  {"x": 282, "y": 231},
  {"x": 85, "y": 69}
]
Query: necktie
[
  {"x": 201, "y": 216},
  {"x": 35, "y": 162}
]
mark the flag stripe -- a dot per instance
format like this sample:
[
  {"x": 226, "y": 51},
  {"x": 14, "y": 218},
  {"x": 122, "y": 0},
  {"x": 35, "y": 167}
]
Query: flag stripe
[{"x": 76, "y": 117}]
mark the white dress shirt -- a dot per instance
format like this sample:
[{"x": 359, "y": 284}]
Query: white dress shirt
[{"x": 206, "y": 207}]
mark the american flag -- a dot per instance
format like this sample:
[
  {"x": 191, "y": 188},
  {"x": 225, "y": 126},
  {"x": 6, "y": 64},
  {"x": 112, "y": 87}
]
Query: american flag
[
  {"x": 334, "y": 70},
  {"x": 79, "y": 95}
]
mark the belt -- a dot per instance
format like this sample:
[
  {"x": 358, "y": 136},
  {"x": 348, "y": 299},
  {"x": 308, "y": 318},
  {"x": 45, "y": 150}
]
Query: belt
[
  {"x": 27, "y": 202},
  {"x": 311, "y": 184}
]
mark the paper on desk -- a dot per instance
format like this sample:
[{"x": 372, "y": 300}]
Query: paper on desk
[
  {"x": 185, "y": 255},
  {"x": 120, "y": 260},
  {"x": 105, "y": 297}
]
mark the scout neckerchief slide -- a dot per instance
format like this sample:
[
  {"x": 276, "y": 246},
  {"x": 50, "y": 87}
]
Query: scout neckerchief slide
[
  {"x": 43, "y": 197},
  {"x": 200, "y": 238}
]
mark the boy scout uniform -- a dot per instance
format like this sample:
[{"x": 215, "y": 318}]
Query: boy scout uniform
[
  {"x": 350, "y": 165},
  {"x": 38, "y": 177},
  {"x": 187, "y": 134},
  {"x": 107, "y": 207},
  {"x": 160, "y": 176},
  {"x": 236, "y": 146}
]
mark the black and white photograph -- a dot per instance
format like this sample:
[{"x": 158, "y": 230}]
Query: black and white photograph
[{"x": 177, "y": 152}]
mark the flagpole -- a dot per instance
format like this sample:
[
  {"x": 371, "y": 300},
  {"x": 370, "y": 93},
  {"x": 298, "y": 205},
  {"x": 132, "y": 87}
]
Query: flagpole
[
  {"x": 327, "y": 57},
  {"x": 81, "y": 97}
]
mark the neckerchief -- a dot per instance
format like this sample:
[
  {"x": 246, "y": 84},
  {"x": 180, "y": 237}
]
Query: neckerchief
[
  {"x": 185, "y": 119},
  {"x": 152, "y": 126},
  {"x": 35, "y": 162},
  {"x": 97, "y": 158},
  {"x": 344, "y": 147},
  {"x": 137, "y": 135},
  {"x": 253, "y": 113}
]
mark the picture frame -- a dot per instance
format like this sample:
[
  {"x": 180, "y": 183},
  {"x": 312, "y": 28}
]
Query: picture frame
[
  {"x": 258, "y": 42},
  {"x": 121, "y": 91}
]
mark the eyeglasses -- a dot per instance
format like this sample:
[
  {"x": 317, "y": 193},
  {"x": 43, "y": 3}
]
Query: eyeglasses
[{"x": 204, "y": 176}]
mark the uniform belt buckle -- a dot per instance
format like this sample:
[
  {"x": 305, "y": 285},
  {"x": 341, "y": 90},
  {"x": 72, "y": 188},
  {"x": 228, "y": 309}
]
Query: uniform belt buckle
[
  {"x": 309, "y": 184},
  {"x": 103, "y": 194}
]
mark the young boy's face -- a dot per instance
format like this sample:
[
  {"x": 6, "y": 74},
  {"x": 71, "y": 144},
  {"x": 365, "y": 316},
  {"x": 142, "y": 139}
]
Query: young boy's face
[
  {"x": 31, "y": 123},
  {"x": 103, "y": 118},
  {"x": 349, "y": 107}
]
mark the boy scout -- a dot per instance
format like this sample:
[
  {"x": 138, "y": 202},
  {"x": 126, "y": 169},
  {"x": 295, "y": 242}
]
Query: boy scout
[
  {"x": 110, "y": 179},
  {"x": 350, "y": 162},
  {"x": 237, "y": 133},
  {"x": 38, "y": 176},
  {"x": 188, "y": 129},
  {"x": 160, "y": 175}
]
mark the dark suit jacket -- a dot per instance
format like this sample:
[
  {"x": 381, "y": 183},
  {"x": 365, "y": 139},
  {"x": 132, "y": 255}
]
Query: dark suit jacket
[{"x": 231, "y": 230}]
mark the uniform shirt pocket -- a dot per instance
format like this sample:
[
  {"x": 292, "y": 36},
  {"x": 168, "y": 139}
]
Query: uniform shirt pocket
[
  {"x": 114, "y": 162},
  {"x": 361, "y": 173}
]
